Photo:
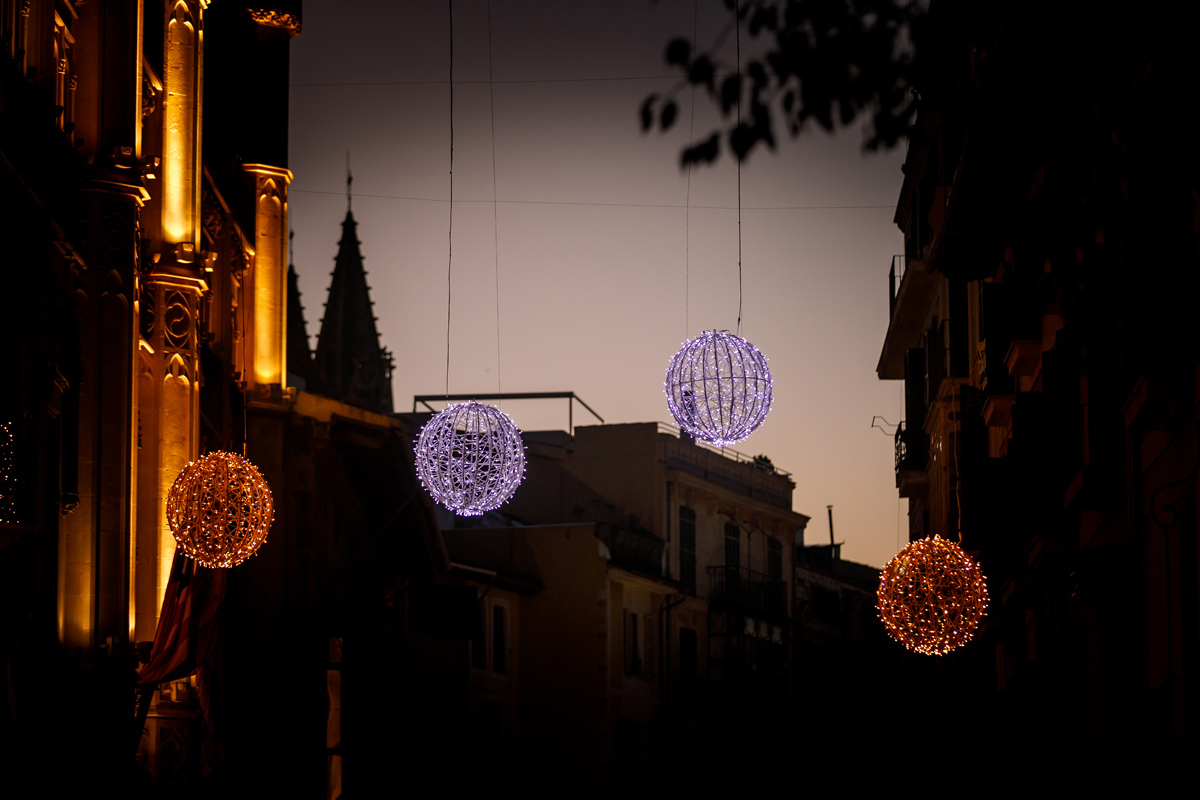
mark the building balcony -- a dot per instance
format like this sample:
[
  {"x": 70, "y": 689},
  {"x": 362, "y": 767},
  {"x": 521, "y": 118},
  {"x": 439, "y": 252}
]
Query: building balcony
[
  {"x": 912, "y": 455},
  {"x": 746, "y": 590},
  {"x": 911, "y": 292}
]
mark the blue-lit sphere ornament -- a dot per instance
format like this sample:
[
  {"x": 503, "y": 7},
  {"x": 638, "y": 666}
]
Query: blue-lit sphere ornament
[
  {"x": 718, "y": 388},
  {"x": 470, "y": 458}
]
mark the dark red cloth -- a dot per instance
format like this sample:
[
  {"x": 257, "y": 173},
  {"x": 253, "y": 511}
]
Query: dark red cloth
[{"x": 188, "y": 627}]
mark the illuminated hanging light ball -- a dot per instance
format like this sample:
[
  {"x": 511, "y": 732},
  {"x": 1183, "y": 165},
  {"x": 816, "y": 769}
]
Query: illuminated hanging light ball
[
  {"x": 718, "y": 387},
  {"x": 220, "y": 509},
  {"x": 8, "y": 476},
  {"x": 932, "y": 596},
  {"x": 470, "y": 458}
]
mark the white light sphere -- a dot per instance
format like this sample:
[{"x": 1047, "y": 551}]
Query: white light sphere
[
  {"x": 470, "y": 458},
  {"x": 718, "y": 388}
]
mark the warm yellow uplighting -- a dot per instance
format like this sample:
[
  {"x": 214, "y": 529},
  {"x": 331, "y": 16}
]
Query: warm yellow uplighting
[
  {"x": 269, "y": 318},
  {"x": 220, "y": 509},
  {"x": 932, "y": 596},
  {"x": 179, "y": 127}
]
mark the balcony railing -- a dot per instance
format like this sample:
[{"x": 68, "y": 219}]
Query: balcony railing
[
  {"x": 895, "y": 279},
  {"x": 746, "y": 589},
  {"x": 759, "y": 462},
  {"x": 912, "y": 450}
]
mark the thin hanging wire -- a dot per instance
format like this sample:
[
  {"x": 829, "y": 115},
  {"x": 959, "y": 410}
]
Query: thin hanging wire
[
  {"x": 245, "y": 358},
  {"x": 495, "y": 213},
  {"x": 738, "y": 39},
  {"x": 687, "y": 224},
  {"x": 450, "y": 258},
  {"x": 954, "y": 445}
]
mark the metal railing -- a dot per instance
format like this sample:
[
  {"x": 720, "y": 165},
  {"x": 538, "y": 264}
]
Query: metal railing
[
  {"x": 761, "y": 462},
  {"x": 738, "y": 586},
  {"x": 911, "y": 447}
]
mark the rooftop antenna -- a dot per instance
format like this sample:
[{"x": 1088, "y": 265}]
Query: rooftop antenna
[{"x": 830, "y": 510}]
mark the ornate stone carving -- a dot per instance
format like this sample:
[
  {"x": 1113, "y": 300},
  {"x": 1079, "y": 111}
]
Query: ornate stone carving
[
  {"x": 149, "y": 96},
  {"x": 148, "y": 314},
  {"x": 213, "y": 219},
  {"x": 275, "y": 18},
  {"x": 237, "y": 261},
  {"x": 177, "y": 320}
]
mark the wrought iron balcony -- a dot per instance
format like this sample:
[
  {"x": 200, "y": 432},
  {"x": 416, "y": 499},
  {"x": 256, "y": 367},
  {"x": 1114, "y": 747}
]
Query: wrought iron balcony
[
  {"x": 747, "y": 590},
  {"x": 912, "y": 450}
]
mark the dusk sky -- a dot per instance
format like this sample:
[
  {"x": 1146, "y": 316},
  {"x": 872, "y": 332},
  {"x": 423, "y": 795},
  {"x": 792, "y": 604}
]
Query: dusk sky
[{"x": 601, "y": 275}]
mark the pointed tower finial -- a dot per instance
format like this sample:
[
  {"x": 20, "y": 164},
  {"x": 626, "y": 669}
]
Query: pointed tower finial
[{"x": 349, "y": 180}]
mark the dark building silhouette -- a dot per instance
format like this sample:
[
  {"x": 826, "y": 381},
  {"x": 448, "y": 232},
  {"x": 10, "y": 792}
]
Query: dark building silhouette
[
  {"x": 299, "y": 355},
  {"x": 1044, "y": 324},
  {"x": 148, "y": 317},
  {"x": 349, "y": 361}
]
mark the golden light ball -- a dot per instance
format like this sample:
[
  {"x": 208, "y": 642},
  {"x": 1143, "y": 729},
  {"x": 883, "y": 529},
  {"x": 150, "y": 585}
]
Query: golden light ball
[
  {"x": 220, "y": 509},
  {"x": 932, "y": 596}
]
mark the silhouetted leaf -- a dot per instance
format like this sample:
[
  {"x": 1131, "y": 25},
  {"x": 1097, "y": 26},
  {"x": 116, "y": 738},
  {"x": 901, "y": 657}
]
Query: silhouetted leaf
[
  {"x": 667, "y": 115},
  {"x": 679, "y": 52},
  {"x": 731, "y": 90},
  {"x": 647, "y": 113},
  {"x": 828, "y": 61},
  {"x": 703, "y": 153},
  {"x": 741, "y": 139},
  {"x": 757, "y": 74},
  {"x": 702, "y": 72}
]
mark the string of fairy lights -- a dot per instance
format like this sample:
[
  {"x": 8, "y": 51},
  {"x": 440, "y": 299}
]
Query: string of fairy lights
[{"x": 8, "y": 476}]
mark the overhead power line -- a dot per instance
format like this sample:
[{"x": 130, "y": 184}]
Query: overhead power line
[{"x": 585, "y": 203}]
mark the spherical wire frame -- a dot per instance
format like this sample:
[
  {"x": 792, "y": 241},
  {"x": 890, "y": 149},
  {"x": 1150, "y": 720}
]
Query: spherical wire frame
[
  {"x": 220, "y": 509},
  {"x": 932, "y": 596},
  {"x": 470, "y": 458},
  {"x": 718, "y": 388}
]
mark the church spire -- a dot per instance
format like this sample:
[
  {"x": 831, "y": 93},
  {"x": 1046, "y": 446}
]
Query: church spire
[
  {"x": 299, "y": 354},
  {"x": 349, "y": 361}
]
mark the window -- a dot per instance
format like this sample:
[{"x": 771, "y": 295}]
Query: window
[
  {"x": 687, "y": 657},
  {"x": 641, "y": 644},
  {"x": 489, "y": 645},
  {"x": 687, "y": 547},
  {"x": 633, "y": 645},
  {"x": 650, "y": 631},
  {"x": 479, "y": 640},
  {"x": 774, "y": 559},
  {"x": 733, "y": 546},
  {"x": 499, "y": 640}
]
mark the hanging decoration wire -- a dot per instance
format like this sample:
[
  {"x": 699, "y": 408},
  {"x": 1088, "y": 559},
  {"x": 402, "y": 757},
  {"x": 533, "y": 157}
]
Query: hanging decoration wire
[
  {"x": 469, "y": 457},
  {"x": 718, "y": 385},
  {"x": 220, "y": 507},
  {"x": 932, "y": 594}
]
